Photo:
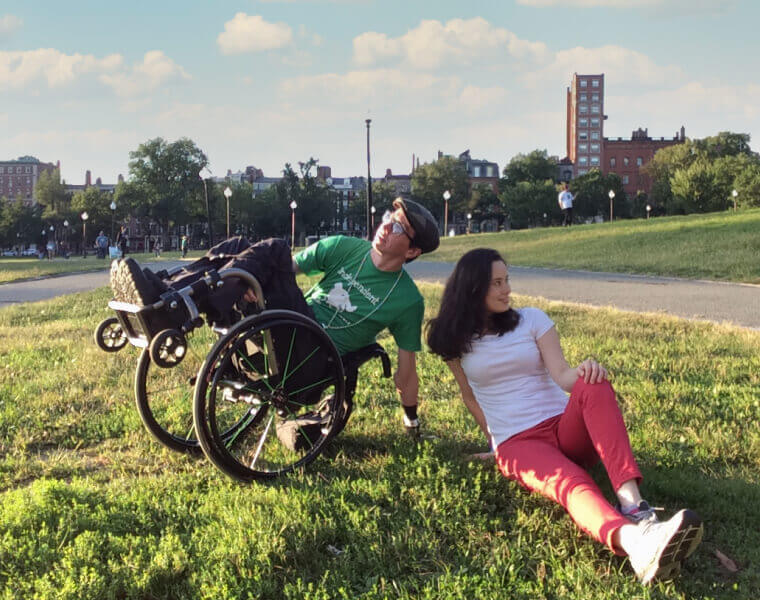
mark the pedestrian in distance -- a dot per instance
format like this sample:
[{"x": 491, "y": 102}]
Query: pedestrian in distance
[
  {"x": 183, "y": 246},
  {"x": 514, "y": 380},
  {"x": 565, "y": 200}
]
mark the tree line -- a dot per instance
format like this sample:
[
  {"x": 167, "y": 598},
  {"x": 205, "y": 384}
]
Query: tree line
[{"x": 166, "y": 190}]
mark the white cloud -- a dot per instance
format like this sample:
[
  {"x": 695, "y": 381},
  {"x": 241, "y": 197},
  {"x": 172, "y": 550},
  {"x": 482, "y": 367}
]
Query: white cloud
[
  {"x": 9, "y": 24},
  {"x": 251, "y": 33},
  {"x": 20, "y": 69},
  {"x": 474, "y": 99},
  {"x": 620, "y": 66},
  {"x": 433, "y": 44},
  {"x": 155, "y": 69}
]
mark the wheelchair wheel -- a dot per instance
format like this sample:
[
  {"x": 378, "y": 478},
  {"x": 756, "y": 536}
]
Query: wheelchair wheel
[
  {"x": 109, "y": 335},
  {"x": 164, "y": 396},
  {"x": 168, "y": 348},
  {"x": 264, "y": 408}
]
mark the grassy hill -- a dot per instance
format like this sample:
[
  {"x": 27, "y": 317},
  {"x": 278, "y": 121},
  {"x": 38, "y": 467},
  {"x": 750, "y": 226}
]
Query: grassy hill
[
  {"x": 721, "y": 246},
  {"x": 91, "y": 507}
]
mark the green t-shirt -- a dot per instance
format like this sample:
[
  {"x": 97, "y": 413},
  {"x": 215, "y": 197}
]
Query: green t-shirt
[{"x": 355, "y": 300}]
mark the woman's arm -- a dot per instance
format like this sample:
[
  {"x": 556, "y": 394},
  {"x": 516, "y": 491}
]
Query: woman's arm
[
  {"x": 468, "y": 397},
  {"x": 563, "y": 374}
]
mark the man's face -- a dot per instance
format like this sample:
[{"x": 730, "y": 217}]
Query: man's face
[{"x": 395, "y": 243}]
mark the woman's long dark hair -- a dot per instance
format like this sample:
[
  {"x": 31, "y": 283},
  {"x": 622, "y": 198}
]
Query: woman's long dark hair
[{"x": 462, "y": 314}]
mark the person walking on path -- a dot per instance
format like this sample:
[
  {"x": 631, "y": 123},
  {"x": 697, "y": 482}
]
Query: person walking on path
[
  {"x": 183, "y": 246},
  {"x": 514, "y": 380},
  {"x": 565, "y": 200},
  {"x": 101, "y": 243},
  {"x": 121, "y": 240}
]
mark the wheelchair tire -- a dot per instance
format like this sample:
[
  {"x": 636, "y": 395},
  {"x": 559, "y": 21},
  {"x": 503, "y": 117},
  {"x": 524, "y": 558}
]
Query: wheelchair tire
[
  {"x": 109, "y": 335},
  {"x": 241, "y": 408},
  {"x": 168, "y": 348}
]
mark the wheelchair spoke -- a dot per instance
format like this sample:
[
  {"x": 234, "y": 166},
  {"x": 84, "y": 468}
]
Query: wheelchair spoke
[
  {"x": 308, "y": 387},
  {"x": 242, "y": 426},
  {"x": 285, "y": 377},
  {"x": 261, "y": 442}
]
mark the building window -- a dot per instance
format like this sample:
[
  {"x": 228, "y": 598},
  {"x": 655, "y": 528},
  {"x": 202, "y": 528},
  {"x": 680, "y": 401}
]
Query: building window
[
  {"x": 584, "y": 83},
  {"x": 582, "y": 122},
  {"x": 595, "y": 108},
  {"x": 27, "y": 169},
  {"x": 612, "y": 162},
  {"x": 583, "y": 160},
  {"x": 595, "y": 161},
  {"x": 594, "y": 121},
  {"x": 625, "y": 179},
  {"x": 476, "y": 171},
  {"x": 583, "y": 135},
  {"x": 583, "y": 98},
  {"x": 582, "y": 147},
  {"x": 595, "y": 97},
  {"x": 595, "y": 83},
  {"x": 639, "y": 161},
  {"x": 2, "y": 169},
  {"x": 18, "y": 169},
  {"x": 594, "y": 147},
  {"x": 582, "y": 171},
  {"x": 594, "y": 135},
  {"x": 583, "y": 108},
  {"x": 626, "y": 161}
]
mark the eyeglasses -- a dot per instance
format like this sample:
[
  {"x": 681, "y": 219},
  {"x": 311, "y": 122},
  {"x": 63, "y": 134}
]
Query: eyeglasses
[{"x": 397, "y": 227}]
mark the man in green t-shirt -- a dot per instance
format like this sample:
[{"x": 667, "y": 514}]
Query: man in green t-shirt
[{"x": 365, "y": 289}]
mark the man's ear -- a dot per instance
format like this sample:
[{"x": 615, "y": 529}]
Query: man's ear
[{"x": 413, "y": 252}]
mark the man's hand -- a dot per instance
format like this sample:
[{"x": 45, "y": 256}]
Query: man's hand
[{"x": 250, "y": 296}]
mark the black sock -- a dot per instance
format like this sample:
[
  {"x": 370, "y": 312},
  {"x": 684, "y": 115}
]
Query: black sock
[{"x": 411, "y": 412}]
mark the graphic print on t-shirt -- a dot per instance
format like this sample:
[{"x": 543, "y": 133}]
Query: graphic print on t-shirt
[{"x": 339, "y": 298}]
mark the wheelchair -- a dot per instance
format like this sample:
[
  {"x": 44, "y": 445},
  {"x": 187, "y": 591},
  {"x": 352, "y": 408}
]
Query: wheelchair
[{"x": 260, "y": 398}]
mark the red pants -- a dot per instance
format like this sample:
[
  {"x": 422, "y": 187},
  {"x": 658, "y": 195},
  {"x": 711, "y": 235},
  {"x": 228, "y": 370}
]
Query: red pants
[{"x": 551, "y": 458}]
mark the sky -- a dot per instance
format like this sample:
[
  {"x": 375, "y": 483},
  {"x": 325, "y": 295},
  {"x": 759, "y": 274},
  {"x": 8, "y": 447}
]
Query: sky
[{"x": 265, "y": 82}]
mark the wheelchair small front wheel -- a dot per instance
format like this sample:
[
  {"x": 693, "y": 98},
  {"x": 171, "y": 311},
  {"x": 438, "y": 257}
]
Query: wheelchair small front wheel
[
  {"x": 110, "y": 336},
  {"x": 268, "y": 396},
  {"x": 167, "y": 348}
]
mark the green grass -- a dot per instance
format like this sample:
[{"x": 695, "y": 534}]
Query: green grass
[
  {"x": 15, "y": 269},
  {"x": 721, "y": 246},
  {"x": 91, "y": 507}
]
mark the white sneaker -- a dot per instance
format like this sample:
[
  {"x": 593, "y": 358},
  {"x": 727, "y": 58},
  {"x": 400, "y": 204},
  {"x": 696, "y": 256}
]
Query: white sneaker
[
  {"x": 664, "y": 545},
  {"x": 412, "y": 427}
]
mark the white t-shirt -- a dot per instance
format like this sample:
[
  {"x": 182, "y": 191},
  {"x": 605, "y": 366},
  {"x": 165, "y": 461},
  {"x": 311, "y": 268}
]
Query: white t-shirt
[
  {"x": 565, "y": 199},
  {"x": 509, "y": 378}
]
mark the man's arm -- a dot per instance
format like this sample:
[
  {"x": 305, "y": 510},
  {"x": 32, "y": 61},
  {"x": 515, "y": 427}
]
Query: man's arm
[{"x": 405, "y": 378}]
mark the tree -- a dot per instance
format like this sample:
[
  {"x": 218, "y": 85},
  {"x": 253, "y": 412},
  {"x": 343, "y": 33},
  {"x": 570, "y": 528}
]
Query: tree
[
  {"x": 96, "y": 203},
  {"x": 51, "y": 193},
  {"x": 526, "y": 203},
  {"x": 534, "y": 166},
  {"x": 485, "y": 205},
  {"x": 430, "y": 180},
  {"x": 592, "y": 198},
  {"x": 20, "y": 223},
  {"x": 168, "y": 175}
]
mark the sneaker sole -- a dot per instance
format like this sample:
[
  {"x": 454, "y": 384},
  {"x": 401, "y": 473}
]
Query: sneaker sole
[
  {"x": 681, "y": 545},
  {"x": 128, "y": 282}
]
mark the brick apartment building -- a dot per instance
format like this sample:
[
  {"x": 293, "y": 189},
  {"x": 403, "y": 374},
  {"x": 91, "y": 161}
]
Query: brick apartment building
[
  {"x": 587, "y": 148},
  {"x": 18, "y": 178}
]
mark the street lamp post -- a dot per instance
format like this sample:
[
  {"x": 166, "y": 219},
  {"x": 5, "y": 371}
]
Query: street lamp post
[
  {"x": 113, "y": 213},
  {"x": 734, "y": 194},
  {"x": 612, "y": 197},
  {"x": 66, "y": 237},
  {"x": 52, "y": 236},
  {"x": 649, "y": 209},
  {"x": 84, "y": 216},
  {"x": 208, "y": 209},
  {"x": 293, "y": 207},
  {"x": 372, "y": 210},
  {"x": 469, "y": 222},
  {"x": 369, "y": 187},
  {"x": 446, "y": 198},
  {"x": 227, "y": 194}
]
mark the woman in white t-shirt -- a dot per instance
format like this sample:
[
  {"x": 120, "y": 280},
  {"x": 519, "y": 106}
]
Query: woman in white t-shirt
[{"x": 513, "y": 377}]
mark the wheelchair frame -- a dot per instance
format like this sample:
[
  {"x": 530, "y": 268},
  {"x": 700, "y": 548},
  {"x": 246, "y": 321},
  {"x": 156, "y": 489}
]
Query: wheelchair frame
[{"x": 242, "y": 389}]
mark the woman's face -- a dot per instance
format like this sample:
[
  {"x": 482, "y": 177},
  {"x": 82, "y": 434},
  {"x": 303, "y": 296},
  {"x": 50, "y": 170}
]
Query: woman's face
[{"x": 497, "y": 298}]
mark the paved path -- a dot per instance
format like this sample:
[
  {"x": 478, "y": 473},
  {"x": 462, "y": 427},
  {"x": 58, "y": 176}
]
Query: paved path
[{"x": 705, "y": 300}]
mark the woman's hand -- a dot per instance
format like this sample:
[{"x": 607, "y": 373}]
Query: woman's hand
[
  {"x": 591, "y": 371},
  {"x": 250, "y": 297}
]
